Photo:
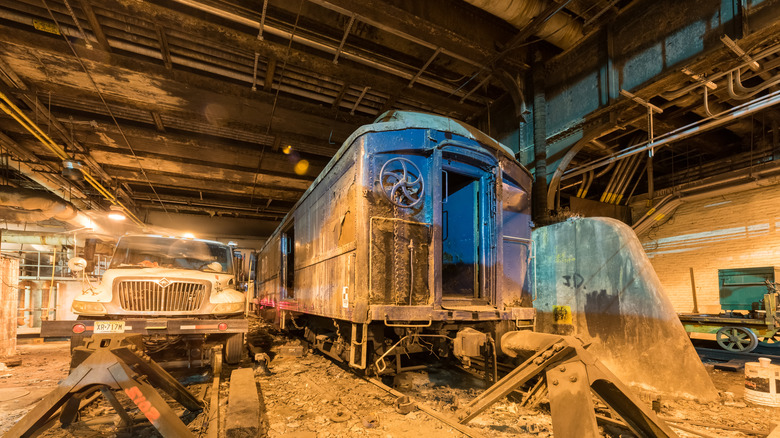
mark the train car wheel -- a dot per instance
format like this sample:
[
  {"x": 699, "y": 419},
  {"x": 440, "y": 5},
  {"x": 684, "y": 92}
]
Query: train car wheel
[
  {"x": 234, "y": 348},
  {"x": 736, "y": 339},
  {"x": 772, "y": 341}
]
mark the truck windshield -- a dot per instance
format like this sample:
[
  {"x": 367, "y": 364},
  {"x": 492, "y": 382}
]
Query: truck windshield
[{"x": 165, "y": 252}]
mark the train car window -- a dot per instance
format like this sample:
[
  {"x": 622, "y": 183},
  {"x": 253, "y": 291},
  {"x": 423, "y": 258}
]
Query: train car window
[
  {"x": 461, "y": 235},
  {"x": 288, "y": 262}
]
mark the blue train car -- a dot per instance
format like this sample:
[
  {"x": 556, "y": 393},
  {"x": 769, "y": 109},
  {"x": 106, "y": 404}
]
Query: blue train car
[{"x": 400, "y": 245}]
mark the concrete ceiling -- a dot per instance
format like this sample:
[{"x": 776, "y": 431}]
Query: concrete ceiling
[{"x": 186, "y": 109}]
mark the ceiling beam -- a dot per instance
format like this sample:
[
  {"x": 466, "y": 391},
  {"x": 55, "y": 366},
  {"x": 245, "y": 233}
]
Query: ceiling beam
[
  {"x": 357, "y": 75},
  {"x": 396, "y": 21},
  {"x": 94, "y": 24},
  {"x": 214, "y": 186}
]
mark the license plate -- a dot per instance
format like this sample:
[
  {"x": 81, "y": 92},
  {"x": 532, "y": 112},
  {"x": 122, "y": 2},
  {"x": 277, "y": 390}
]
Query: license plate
[{"x": 109, "y": 327}]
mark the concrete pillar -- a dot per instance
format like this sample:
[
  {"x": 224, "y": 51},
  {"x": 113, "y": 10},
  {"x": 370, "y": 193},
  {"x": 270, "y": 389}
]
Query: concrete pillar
[
  {"x": 9, "y": 276},
  {"x": 540, "y": 209}
]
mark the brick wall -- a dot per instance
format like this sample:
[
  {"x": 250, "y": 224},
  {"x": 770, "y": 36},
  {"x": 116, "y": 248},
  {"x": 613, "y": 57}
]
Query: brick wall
[{"x": 731, "y": 231}]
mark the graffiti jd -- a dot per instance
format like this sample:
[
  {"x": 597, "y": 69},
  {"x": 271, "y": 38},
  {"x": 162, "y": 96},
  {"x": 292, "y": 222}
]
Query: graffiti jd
[{"x": 574, "y": 281}]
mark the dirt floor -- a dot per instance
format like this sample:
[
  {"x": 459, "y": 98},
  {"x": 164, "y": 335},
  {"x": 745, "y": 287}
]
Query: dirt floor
[{"x": 312, "y": 396}]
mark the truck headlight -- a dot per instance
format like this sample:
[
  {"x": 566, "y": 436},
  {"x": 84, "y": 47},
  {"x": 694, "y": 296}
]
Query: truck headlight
[
  {"x": 88, "y": 307},
  {"x": 229, "y": 307}
]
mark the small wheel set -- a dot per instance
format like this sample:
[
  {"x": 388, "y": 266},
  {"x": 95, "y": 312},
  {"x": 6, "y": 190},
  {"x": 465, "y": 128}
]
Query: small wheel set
[
  {"x": 732, "y": 334},
  {"x": 740, "y": 339},
  {"x": 750, "y": 314}
]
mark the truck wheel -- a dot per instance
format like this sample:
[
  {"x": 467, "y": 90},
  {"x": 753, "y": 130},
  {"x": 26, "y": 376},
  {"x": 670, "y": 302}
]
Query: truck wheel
[{"x": 234, "y": 348}]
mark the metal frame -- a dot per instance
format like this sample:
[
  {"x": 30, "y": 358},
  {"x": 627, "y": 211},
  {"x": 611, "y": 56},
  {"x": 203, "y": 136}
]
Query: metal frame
[
  {"x": 110, "y": 362},
  {"x": 570, "y": 373}
]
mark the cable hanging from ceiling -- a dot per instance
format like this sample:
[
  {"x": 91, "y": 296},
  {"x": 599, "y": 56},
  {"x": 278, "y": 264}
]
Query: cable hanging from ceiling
[{"x": 108, "y": 195}]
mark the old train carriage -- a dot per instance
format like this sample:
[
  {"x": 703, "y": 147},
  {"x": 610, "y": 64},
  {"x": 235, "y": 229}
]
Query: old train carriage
[{"x": 400, "y": 245}]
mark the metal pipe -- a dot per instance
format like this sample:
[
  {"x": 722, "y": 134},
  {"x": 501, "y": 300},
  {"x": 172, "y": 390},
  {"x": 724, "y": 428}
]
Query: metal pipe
[
  {"x": 745, "y": 179},
  {"x": 37, "y": 238},
  {"x": 687, "y": 89},
  {"x": 633, "y": 189},
  {"x": 603, "y": 171},
  {"x": 36, "y": 131},
  {"x": 686, "y": 131},
  {"x": 561, "y": 29},
  {"x": 590, "y": 182},
  {"x": 735, "y": 86},
  {"x": 629, "y": 177},
  {"x": 612, "y": 179},
  {"x": 622, "y": 179}
]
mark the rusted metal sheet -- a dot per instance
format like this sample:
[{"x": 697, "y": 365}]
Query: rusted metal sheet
[{"x": 595, "y": 282}]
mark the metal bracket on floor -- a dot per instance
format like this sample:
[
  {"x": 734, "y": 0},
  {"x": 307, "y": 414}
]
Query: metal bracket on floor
[
  {"x": 569, "y": 373},
  {"x": 112, "y": 362}
]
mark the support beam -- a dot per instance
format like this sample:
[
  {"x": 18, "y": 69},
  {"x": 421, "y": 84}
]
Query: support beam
[
  {"x": 94, "y": 24},
  {"x": 541, "y": 208},
  {"x": 343, "y": 72},
  {"x": 164, "y": 50}
]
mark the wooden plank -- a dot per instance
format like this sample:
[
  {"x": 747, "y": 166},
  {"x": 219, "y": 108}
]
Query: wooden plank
[
  {"x": 243, "y": 410},
  {"x": 9, "y": 300}
]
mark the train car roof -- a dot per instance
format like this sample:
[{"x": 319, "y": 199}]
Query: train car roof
[{"x": 395, "y": 120}]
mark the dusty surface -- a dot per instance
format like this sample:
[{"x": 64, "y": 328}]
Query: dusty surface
[{"x": 311, "y": 396}]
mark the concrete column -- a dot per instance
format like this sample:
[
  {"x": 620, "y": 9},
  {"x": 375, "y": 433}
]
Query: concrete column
[
  {"x": 540, "y": 209},
  {"x": 9, "y": 274}
]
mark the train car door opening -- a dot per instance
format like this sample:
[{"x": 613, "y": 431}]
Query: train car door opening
[
  {"x": 460, "y": 235},
  {"x": 466, "y": 184}
]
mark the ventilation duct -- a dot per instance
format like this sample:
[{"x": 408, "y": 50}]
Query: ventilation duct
[
  {"x": 561, "y": 29},
  {"x": 26, "y": 205}
]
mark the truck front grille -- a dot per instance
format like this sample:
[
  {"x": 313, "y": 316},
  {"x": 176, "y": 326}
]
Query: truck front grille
[{"x": 149, "y": 296}]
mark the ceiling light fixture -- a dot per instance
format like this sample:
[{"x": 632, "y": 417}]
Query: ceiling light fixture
[{"x": 116, "y": 213}]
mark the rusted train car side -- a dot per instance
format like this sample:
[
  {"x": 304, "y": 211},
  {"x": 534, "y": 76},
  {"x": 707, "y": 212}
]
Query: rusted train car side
[{"x": 400, "y": 243}]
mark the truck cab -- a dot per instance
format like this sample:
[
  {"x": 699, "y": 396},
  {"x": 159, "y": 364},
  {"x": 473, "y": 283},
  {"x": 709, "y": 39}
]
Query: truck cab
[
  {"x": 156, "y": 276},
  {"x": 181, "y": 294}
]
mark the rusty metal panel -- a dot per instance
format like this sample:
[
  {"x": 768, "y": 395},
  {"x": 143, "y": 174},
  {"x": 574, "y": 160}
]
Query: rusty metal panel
[{"x": 399, "y": 262}]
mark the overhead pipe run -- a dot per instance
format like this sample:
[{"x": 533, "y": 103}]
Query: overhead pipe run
[
  {"x": 739, "y": 181},
  {"x": 561, "y": 29},
  {"x": 684, "y": 132},
  {"x": 12, "y": 110},
  {"x": 37, "y": 238}
]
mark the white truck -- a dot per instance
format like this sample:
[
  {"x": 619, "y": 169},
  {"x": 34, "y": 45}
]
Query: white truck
[{"x": 180, "y": 293}]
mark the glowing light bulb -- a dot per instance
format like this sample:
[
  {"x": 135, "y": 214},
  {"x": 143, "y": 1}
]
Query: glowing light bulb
[{"x": 301, "y": 167}]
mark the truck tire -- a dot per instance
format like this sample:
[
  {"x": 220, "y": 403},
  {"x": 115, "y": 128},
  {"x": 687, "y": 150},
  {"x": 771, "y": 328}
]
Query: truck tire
[{"x": 234, "y": 348}]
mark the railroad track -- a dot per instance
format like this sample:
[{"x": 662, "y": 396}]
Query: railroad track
[{"x": 727, "y": 356}]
